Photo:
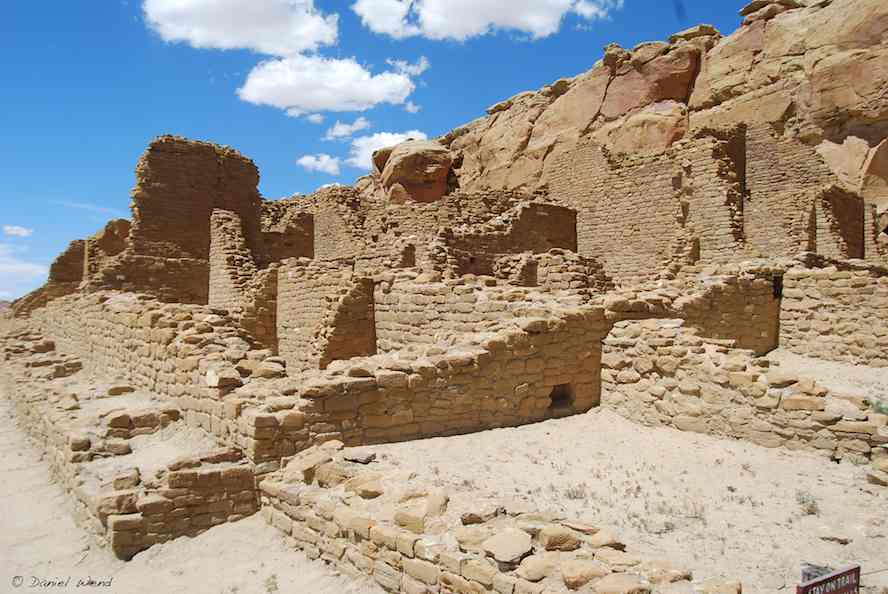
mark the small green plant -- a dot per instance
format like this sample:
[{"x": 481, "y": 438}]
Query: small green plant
[
  {"x": 807, "y": 502},
  {"x": 271, "y": 584},
  {"x": 881, "y": 407}
]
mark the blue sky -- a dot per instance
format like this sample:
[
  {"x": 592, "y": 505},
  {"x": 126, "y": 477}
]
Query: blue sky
[{"x": 89, "y": 83}]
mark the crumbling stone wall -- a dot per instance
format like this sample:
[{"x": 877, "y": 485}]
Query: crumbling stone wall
[
  {"x": 101, "y": 248},
  {"x": 836, "y": 311},
  {"x": 324, "y": 313},
  {"x": 632, "y": 208},
  {"x": 231, "y": 263},
  {"x": 555, "y": 270},
  {"x": 178, "y": 184},
  {"x": 744, "y": 310},
  {"x": 414, "y": 309},
  {"x": 65, "y": 276},
  {"x": 663, "y": 372}
]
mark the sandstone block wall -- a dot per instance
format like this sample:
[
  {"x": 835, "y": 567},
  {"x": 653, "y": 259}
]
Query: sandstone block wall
[
  {"x": 555, "y": 270},
  {"x": 836, "y": 312},
  {"x": 324, "y": 312},
  {"x": 231, "y": 264},
  {"x": 742, "y": 309},
  {"x": 348, "y": 515},
  {"x": 631, "y": 209},
  {"x": 664, "y": 372},
  {"x": 535, "y": 369},
  {"x": 178, "y": 184}
]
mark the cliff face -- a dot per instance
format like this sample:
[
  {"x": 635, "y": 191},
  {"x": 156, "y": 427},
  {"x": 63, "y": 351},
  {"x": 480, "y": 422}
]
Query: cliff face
[{"x": 812, "y": 71}]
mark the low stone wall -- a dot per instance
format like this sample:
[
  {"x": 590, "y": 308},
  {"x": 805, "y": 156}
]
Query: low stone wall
[
  {"x": 837, "y": 312},
  {"x": 357, "y": 515},
  {"x": 535, "y": 369},
  {"x": 662, "y": 372},
  {"x": 89, "y": 440}
]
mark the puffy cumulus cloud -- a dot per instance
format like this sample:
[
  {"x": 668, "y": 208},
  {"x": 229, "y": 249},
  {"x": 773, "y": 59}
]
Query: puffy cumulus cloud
[
  {"x": 343, "y": 130},
  {"x": 274, "y": 27},
  {"x": 462, "y": 19},
  {"x": 322, "y": 163},
  {"x": 303, "y": 84},
  {"x": 315, "y": 118},
  {"x": 389, "y": 17},
  {"x": 16, "y": 231},
  {"x": 17, "y": 276},
  {"x": 363, "y": 147},
  {"x": 411, "y": 107}
]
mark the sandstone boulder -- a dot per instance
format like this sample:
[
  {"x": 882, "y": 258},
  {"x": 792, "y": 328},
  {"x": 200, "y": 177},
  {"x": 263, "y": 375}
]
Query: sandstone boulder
[
  {"x": 421, "y": 167},
  {"x": 508, "y": 546}
]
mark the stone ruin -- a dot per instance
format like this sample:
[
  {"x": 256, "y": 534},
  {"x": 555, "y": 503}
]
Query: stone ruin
[{"x": 638, "y": 237}]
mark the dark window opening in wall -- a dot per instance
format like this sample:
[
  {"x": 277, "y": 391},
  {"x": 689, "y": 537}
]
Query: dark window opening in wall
[
  {"x": 562, "y": 398},
  {"x": 777, "y": 286},
  {"x": 409, "y": 256}
]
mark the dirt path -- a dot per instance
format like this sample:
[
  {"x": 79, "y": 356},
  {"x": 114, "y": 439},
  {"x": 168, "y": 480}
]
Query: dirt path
[{"x": 39, "y": 540}]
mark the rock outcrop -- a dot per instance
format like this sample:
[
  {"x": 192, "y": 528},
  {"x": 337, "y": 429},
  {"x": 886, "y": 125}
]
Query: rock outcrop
[
  {"x": 414, "y": 170},
  {"x": 811, "y": 71}
]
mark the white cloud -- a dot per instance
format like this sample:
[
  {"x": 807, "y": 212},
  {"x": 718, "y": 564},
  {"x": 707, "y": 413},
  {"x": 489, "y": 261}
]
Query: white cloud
[
  {"x": 343, "y": 130},
  {"x": 363, "y": 147},
  {"x": 315, "y": 118},
  {"x": 18, "y": 276},
  {"x": 322, "y": 162},
  {"x": 16, "y": 231},
  {"x": 304, "y": 84},
  {"x": 405, "y": 67},
  {"x": 462, "y": 19},
  {"x": 387, "y": 16},
  {"x": 411, "y": 107},
  {"x": 274, "y": 27}
]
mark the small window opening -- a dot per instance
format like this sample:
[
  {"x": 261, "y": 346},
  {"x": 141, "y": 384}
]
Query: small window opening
[
  {"x": 777, "y": 287},
  {"x": 562, "y": 398}
]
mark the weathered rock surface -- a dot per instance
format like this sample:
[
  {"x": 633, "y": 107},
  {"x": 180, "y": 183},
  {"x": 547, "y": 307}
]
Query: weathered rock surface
[{"x": 420, "y": 167}]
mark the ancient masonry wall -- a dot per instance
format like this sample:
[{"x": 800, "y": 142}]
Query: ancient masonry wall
[
  {"x": 92, "y": 462},
  {"x": 163, "y": 348},
  {"x": 412, "y": 309},
  {"x": 793, "y": 202},
  {"x": 231, "y": 264},
  {"x": 103, "y": 246},
  {"x": 347, "y": 514},
  {"x": 536, "y": 369},
  {"x": 529, "y": 227},
  {"x": 555, "y": 270},
  {"x": 875, "y": 228},
  {"x": 632, "y": 209},
  {"x": 662, "y": 372},
  {"x": 744, "y": 310},
  {"x": 179, "y": 183},
  {"x": 324, "y": 312},
  {"x": 837, "y": 312}
]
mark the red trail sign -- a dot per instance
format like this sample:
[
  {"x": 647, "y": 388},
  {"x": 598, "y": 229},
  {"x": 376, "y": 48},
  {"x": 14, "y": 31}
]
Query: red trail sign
[{"x": 846, "y": 581}]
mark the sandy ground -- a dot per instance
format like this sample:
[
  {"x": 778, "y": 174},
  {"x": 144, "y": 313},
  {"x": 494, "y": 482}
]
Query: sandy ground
[
  {"x": 837, "y": 376},
  {"x": 39, "y": 539},
  {"x": 722, "y": 508}
]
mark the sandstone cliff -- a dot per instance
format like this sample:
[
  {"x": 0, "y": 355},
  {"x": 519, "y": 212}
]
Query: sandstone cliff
[{"x": 811, "y": 71}]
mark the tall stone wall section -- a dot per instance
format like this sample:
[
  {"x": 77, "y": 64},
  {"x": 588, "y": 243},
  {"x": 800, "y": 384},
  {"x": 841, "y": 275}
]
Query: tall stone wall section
[
  {"x": 231, "y": 263},
  {"x": 632, "y": 209},
  {"x": 324, "y": 313},
  {"x": 836, "y": 312}
]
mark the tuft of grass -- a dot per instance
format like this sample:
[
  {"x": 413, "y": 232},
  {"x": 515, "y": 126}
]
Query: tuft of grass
[
  {"x": 271, "y": 584},
  {"x": 807, "y": 502},
  {"x": 577, "y": 492}
]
